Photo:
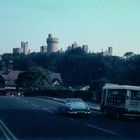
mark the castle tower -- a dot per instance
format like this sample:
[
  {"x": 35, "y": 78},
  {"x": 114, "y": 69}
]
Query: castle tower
[
  {"x": 24, "y": 48},
  {"x": 52, "y": 44},
  {"x": 110, "y": 51}
]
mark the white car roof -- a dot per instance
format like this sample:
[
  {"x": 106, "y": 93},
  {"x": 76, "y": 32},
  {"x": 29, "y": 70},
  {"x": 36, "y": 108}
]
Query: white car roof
[{"x": 74, "y": 100}]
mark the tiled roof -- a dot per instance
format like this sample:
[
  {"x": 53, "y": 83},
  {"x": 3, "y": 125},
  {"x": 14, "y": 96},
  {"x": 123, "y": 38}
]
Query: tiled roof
[
  {"x": 13, "y": 75},
  {"x": 56, "y": 76}
]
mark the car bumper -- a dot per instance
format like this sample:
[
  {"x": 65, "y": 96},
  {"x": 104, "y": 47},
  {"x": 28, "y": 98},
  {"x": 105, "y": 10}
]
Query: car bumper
[{"x": 79, "y": 112}]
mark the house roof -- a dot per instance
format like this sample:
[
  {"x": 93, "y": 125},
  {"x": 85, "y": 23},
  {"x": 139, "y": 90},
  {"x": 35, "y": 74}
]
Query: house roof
[
  {"x": 56, "y": 76},
  {"x": 13, "y": 75}
]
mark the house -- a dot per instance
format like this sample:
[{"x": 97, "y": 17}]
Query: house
[
  {"x": 7, "y": 80},
  {"x": 56, "y": 79}
]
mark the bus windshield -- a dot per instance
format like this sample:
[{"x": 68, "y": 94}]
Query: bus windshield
[{"x": 135, "y": 95}]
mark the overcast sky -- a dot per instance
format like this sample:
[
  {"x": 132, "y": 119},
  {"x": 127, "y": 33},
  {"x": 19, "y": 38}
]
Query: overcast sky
[{"x": 97, "y": 23}]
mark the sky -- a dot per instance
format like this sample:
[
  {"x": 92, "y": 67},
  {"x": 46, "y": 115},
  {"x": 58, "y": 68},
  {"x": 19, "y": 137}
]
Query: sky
[{"x": 97, "y": 23}]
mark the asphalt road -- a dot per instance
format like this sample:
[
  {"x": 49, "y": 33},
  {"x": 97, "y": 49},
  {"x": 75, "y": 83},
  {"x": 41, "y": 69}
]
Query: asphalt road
[{"x": 28, "y": 118}]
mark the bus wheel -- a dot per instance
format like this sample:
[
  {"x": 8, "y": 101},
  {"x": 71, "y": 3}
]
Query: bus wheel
[{"x": 105, "y": 112}]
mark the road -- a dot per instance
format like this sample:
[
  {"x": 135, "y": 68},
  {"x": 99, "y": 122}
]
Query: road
[{"x": 30, "y": 118}]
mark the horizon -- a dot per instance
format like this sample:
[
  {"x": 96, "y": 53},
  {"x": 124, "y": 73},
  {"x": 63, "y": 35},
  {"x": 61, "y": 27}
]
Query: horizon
[{"x": 98, "y": 24}]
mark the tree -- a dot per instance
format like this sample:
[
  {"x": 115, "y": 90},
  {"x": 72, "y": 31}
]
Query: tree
[
  {"x": 35, "y": 78},
  {"x": 128, "y": 55}
]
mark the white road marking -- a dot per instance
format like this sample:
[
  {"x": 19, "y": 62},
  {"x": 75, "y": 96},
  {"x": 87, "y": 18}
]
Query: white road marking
[
  {"x": 6, "y": 131},
  {"x": 89, "y": 125},
  {"x": 50, "y": 111},
  {"x": 102, "y": 129},
  {"x": 34, "y": 105},
  {"x": 132, "y": 118},
  {"x": 45, "y": 109},
  {"x": 25, "y": 101}
]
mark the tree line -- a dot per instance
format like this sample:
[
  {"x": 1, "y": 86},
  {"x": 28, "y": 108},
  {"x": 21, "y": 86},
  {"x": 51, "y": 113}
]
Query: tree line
[{"x": 79, "y": 68}]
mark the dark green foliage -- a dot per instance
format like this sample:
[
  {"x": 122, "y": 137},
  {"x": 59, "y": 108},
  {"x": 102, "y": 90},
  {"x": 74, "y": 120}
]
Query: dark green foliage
[
  {"x": 34, "y": 79},
  {"x": 80, "y": 68}
]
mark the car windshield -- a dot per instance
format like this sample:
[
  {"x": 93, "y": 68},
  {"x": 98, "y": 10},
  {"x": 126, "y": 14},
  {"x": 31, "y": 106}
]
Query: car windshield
[{"x": 77, "y": 105}]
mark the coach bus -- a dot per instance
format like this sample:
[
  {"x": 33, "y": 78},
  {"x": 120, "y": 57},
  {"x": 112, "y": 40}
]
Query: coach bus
[{"x": 120, "y": 100}]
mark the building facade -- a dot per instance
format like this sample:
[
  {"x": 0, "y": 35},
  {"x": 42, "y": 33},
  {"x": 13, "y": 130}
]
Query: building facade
[
  {"x": 24, "y": 48},
  {"x": 43, "y": 49},
  {"x": 16, "y": 50},
  {"x": 75, "y": 45}
]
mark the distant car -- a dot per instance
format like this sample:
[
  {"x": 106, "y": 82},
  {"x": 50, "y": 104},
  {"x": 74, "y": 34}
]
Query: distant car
[{"x": 74, "y": 106}]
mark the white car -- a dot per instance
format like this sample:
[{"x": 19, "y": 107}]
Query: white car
[{"x": 74, "y": 106}]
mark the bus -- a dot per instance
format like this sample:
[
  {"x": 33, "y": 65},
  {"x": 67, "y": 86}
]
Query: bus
[{"x": 120, "y": 100}]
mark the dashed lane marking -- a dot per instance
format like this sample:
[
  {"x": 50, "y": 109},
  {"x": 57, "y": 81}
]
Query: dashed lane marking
[
  {"x": 102, "y": 129},
  {"x": 25, "y": 101},
  {"x": 34, "y": 105},
  {"x": 43, "y": 108},
  {"x": 49, "y": 111}
]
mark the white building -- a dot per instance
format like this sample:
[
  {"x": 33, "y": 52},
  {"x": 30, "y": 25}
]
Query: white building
[
  {"x": 52, "y": 44},
  {"x": 24, "y": 48}
]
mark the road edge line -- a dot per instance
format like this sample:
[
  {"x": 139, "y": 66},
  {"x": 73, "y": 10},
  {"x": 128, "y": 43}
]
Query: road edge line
[{"x": 3, "y": 126}]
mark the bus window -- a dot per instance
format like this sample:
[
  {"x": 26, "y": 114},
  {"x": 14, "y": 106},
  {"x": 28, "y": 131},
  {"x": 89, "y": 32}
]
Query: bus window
[{"x": 116, "y": 97}]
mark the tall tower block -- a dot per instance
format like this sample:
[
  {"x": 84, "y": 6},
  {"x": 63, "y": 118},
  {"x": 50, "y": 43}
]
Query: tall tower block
[{"x": 52, "y": 44}]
